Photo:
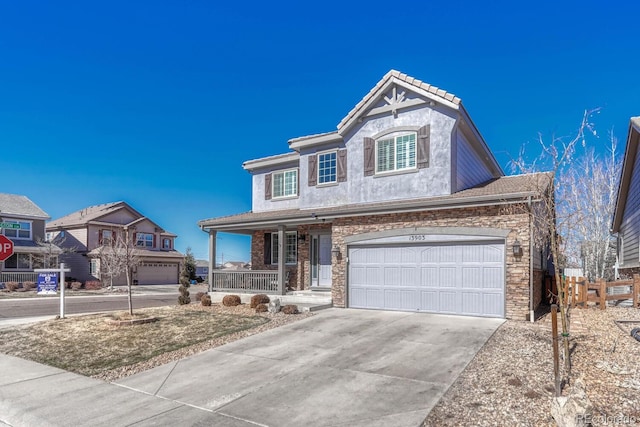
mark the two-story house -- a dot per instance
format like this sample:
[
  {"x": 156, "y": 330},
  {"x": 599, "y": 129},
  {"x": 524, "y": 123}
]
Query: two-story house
[
  {"x": 87, "y": 230},
  {"x": 403, "y": 207},
  {"x": 626, "y": 220},
  {"x": 24, "y": 223}
]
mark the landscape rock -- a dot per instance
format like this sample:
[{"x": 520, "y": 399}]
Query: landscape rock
[
  {"x": 274, "y": 306},
  {"x": 574, "y": 409}
]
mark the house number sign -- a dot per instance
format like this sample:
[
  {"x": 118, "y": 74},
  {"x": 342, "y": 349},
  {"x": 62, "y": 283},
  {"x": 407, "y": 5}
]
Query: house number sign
[{"x": 417, "y": 237}]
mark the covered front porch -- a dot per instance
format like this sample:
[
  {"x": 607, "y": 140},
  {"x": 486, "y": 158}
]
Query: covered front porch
[{"x": 305, "y": 264}]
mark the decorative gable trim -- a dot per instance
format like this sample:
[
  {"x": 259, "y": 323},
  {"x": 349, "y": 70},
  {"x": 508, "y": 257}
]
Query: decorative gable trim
[{"x": 396, "y": 82}]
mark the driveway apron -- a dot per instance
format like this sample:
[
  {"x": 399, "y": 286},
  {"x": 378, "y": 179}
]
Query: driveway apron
[{"x": 339, "y": 367}]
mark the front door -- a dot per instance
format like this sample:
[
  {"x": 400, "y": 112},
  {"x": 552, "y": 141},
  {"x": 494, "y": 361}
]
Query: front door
[{"x": 321, "y": 260}]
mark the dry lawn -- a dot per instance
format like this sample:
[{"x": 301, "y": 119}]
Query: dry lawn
[{"x": 88, "y": 345}]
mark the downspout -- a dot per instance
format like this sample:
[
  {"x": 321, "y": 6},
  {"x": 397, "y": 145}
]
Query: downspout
[{"x": 531, "y": 309}]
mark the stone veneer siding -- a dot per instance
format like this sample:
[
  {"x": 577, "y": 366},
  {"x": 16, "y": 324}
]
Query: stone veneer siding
[{"x": 516, "y": 272}]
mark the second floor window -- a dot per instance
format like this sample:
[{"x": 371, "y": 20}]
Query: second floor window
[
  {"x": 285, "y": 183},
  {"x": 327, "y": 168},
  {"x": 396, "y": 153},
  {"x": 24, "y": 232},
  {"x": 106, "y": 237},
  {"x": 166, "y": 243},
  {"x": 144, "y": 240}
]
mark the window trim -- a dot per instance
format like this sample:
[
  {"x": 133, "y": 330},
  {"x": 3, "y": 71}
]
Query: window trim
[
  {"x": 335, "y": 160},
  {"x": 283, "y": 173},
  {"x": 144, "y": 241},
  {"x": 393, "y": 136},
  {"x": 274, "y": 247},
  {"x": 166, "y": 239}
]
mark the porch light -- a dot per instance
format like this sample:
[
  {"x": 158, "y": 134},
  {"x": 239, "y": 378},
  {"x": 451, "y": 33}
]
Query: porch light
[
  {"x": 517, "y": 249},
  {"x": 335, "y": 251}
]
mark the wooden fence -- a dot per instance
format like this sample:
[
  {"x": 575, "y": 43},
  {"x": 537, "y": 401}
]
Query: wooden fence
[{"x": 579, "y": 292}]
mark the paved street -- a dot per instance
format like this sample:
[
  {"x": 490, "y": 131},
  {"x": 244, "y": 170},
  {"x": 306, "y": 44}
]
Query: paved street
[{"x": 143, "y": 296}]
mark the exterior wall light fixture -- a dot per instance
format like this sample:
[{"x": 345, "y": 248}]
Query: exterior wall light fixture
[
  {"x": 335, "y": 251},
  {"x": 517, "y": 250}
]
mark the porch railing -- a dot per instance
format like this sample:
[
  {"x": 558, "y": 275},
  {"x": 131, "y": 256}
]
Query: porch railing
[
  {"x": 245, "y": 281},
  {"x": 18, "y": 277}
]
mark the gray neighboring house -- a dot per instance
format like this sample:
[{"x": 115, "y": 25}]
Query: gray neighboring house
[
  {"x": 626, "y": 218},
  {"x": 31, "y": 250},
  {"x": 202, "y": 269},
  {"x": 86, "y": 230},
  {"x": 403, "y": 207}
]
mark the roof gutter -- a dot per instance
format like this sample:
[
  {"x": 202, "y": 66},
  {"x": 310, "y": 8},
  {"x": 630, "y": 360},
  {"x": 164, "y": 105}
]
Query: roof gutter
[{"x": 299, "y": 219}]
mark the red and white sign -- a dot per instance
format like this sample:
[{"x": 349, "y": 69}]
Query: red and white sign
[{"x": 6, "y": 248}]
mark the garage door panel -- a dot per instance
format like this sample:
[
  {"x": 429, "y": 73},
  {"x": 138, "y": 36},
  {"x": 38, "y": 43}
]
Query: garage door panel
[
  {"x": 447, "y": 277},
  {"x": 492, "y": 278},
  {"x": 453, "y": 278},
  {"x": 471, "y": 277}
]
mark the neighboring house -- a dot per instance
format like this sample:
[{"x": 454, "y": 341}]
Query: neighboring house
[
  {"x": 403, "y": 207},
  {"x": 88, "y": 229},
  {"x": 202, "y": 269},
  {"x": 626, "y": 217},
  {"x": 30, "y": 248},
  {"x": 235, "y": 265}
]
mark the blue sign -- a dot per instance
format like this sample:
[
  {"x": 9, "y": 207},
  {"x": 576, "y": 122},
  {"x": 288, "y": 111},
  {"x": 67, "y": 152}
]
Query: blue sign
[{"x": 47, "y": 283}]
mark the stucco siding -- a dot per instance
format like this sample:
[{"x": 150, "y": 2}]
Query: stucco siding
[
  {"x": 470, "y": 170},
  {"x": 121, "y": 216},
  {"x": 433, "y": 180},
  {"x": 261, "y": 204}
]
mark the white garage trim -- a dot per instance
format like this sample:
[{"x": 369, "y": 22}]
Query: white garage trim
[{"x": 451, "y": 274}]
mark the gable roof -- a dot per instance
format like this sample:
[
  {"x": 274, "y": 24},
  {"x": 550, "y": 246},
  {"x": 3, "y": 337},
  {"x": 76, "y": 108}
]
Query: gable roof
[
  {"x": 93, "y": 214},
  {"x": 18, "y": 205},
  {"x": 630, "y": 153},
  {"x": 391, "y": 77},
  {"x": 502, "y": 190}
]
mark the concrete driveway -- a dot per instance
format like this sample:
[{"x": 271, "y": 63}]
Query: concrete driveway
[{"x": 339, "y": 367}]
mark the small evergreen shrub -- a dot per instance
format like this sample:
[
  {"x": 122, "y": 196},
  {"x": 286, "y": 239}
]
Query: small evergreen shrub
[
  {"x": 290, "y": 309},
  {"x": 76, "y": 285},
  {"x": 261, "y": 308},
  {"x": 231, "y": 300},
  {"x": 205, "y": 300},
  {"x": 199, "y": 295},
  {"x": 259, "y": 299},
  {"x": 11, "y": 286},
  {"x": 27, "y": 286},
  {"x": 92, "y": 285}
]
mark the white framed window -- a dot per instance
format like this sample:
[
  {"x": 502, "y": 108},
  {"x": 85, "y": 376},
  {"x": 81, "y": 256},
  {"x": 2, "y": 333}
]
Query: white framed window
[
  {"x": 396, "y": 153},
  {"x": 285, "y": 183},
  {"x": 290, "y": 247},
  {"x": 327, "y": 168},
  {"x": 106, "y": 237},
  {"x": 144, "y": 240},
  {"x": 24, "y": 232},
  {"x": 166, "y": 243},
  {"x": 18, "y": 262},
  {"x": 93, "y": 267}
]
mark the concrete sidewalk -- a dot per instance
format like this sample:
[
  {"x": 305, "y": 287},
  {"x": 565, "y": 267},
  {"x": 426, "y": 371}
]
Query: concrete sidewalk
[{"x": 342, "y": 367}]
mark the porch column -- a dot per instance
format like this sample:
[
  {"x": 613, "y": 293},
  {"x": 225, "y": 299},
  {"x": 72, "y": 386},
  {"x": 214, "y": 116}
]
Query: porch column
[
  {"x": 281, "y": 260},
  {"x": 212, "y": 257}
]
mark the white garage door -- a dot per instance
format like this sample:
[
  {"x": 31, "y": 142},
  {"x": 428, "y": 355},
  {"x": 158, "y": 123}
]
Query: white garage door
[
  {"x": 157, "y": 273},
  {"x": 453, "y": 278}
]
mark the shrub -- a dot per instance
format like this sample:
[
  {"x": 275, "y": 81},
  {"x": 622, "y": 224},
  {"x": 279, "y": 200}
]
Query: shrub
[
  {"x": 76, "y": 285},
  {"x": 259, "y": 299},
  {"x": 261, "y": 308},
  {"x": 11, "y": 286},
  {"x": 290, "y": 309},
  {"x": 92, "y": 285},
  {"x": 184, "y": 297},
  {"x": 199, "y": 295},
  {"x": 205, "y": 300},
  {"x": 231, "y": 300},
  {"x": 27, "y": 286}
]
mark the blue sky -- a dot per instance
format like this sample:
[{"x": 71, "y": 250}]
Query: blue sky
[{"x": 159, "y": 103}]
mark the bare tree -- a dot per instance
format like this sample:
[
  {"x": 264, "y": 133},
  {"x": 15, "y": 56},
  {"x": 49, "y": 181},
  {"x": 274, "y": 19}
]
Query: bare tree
[
  {"x": 591, "y": 188},
  {"x": 117, "y": 256},
  {"x": 553, "y": 217}
]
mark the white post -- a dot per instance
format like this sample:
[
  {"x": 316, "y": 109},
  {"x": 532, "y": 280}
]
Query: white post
[{"x": 62, "y": 286}]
